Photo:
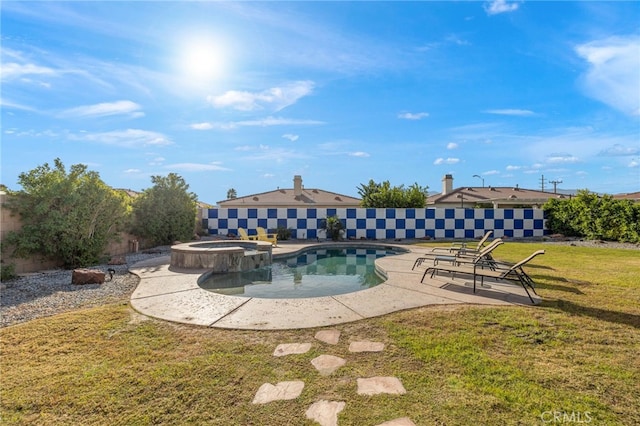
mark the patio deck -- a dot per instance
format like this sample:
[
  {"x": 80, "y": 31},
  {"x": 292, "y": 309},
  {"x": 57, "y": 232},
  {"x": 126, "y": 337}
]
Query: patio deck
[{"x": 174, "y": 295}]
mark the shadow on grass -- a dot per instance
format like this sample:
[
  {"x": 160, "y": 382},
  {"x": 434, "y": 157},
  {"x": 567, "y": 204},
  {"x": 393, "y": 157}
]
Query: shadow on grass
[
  {"x": 568, "y": 288},
  {"x": 632, "y": 320}
]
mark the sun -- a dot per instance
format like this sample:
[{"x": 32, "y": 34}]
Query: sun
[{"x": 202, "y": 60}]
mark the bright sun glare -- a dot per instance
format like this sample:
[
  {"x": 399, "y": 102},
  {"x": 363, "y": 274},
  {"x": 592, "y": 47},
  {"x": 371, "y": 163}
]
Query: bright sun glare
[{"x": 202, "y": 60}]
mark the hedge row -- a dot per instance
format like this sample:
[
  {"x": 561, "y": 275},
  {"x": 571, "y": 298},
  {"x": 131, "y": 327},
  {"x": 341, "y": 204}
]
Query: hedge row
[{"x": 592, "y": 216}]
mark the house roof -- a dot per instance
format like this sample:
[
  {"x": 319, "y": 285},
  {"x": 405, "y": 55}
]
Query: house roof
[
  {"x": 633, "y": 196},
  {"x": 287, "y": 198},
  {"x": 490, "y": 194}
]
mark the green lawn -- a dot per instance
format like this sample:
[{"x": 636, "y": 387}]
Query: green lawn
[{"x": 577, "y": 354}]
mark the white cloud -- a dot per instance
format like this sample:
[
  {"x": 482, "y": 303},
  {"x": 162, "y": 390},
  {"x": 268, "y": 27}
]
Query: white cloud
[
  {"x": 613, "y": 76},
  {"x": 130, "y": 138},
  {"x": 13, "y": 70},
  {"x": 264, "y": 122},
  {"x": 291, "y": 137},
  {"x": 105, "y": 109},
  {"x": 413, "y": 115},
  {"x": 500, "y": 6},
  {"x": 359, "y": 154},
  {"x": 452, "y": 145},
  {"x": 449, "y": 160},
  {"x": 634, "y": 163},
  {"x": 618, "y": 150},
  {"x": 195, "y": 167},
  {"x": 491, "y": 172},
  {"x": 276, "y": 98},
  {"x": 515, "y": 112},
  {"x": 157, "y": 161},
  {"x": 562, "y": 159},
  {"x": 132, "y": 171},
  {"x": 512, "y": 168},
  {"x": 202, "y": 126}
]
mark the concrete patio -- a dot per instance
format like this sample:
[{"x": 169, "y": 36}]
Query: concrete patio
[{"x": 174, "y": 295}]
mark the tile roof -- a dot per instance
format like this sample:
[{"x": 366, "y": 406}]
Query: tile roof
[
  {"x": 489, "y": 194},
  {"x": 287, "y": 198}
]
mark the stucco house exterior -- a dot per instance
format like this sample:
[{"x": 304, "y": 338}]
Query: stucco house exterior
[
  {"x": 494, "y": 197},
  {"x": 298, "y": 196}
]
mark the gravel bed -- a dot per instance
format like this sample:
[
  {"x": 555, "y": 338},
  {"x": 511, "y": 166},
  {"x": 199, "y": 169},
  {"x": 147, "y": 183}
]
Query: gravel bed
[{"x": 49, "y": 293}]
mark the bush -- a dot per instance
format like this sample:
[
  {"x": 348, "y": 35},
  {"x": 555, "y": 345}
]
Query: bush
[
  {"x": 283, "y": 233},
  {"x": 7, "y": 271},
  {"x": 382, "y": 195},
  {"x": 66, "y": 217},
  {"x": 333, "y": 227},
  {"x": 165, "y": 212},
  {"x": 591, "y": 216}
]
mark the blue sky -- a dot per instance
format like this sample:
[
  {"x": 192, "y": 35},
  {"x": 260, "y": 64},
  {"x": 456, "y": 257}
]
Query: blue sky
[{"x": 246, "y": 95}]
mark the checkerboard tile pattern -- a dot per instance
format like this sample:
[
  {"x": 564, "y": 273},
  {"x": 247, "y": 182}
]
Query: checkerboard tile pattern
[{"x": 381, "y": 223}]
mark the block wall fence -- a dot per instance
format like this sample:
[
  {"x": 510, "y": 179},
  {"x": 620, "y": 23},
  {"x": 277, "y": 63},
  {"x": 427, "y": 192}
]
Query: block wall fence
[{"x": 380, "y": 224}]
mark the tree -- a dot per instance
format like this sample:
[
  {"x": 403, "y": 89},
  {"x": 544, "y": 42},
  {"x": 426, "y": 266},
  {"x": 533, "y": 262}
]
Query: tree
[
  {"x": 383, "y": 195},
  {"x": 66, "y": 217},
  {"x": 165, "y": 212},
  {"x": 333, "y": 226},
  {"x": 231, "y": 193}
]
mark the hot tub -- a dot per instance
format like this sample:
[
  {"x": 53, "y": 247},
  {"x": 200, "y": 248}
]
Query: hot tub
[{"x": 222, "y": 256}]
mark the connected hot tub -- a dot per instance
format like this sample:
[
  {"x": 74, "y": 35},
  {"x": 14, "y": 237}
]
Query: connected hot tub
[{"x": 222, "y": 256}]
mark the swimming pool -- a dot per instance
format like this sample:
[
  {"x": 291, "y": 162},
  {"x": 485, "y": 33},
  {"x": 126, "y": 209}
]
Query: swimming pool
[{"x": 314, "y": 272}]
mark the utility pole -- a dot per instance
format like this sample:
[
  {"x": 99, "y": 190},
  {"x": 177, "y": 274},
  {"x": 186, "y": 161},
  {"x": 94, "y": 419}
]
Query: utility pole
[
  {"x": 542, "y": 182},
  {"x": 555, "y": 184}
]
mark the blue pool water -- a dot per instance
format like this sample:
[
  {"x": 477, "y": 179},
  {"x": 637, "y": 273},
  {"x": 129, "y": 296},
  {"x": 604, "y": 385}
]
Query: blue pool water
[{"x": 313, "y": 273}]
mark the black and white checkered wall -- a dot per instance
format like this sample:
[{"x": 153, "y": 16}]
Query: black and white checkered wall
[{"x": 381, "y": 224}]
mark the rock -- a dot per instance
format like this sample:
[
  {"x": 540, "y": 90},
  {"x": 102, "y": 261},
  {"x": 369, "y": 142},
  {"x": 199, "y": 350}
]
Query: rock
[
  {"x": 87, "y": 276},
  {"x": 118, "y": 260}
]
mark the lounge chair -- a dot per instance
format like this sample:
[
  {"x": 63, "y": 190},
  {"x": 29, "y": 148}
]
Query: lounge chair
[
  {"x": 483, "y": 256},
  {"x": 264, "y": 236},
  {"x": 245, "y": 236},
  {"x": 457, "y": 246},
  {"x": 498, "y": 271}
]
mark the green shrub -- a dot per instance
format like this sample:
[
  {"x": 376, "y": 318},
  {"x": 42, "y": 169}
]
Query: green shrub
[
  {"x": 591, "y": 216},
  {"x": 165, "y": 212},
  {"x": 333, "y": 227},
  {"x": 283, "y": 233},
  {"x": 7, "y": 271},
  {"x": 382, "y": 195},
  {"x": 66, "y": 217}
]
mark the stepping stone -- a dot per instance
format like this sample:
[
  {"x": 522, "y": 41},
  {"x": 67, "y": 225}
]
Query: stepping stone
[
  {"x": 366, "y": 347},
  {"x": 403, "y": 421},
  {"x": 325, "y": 412},
  {"x": 327, "y": 364},
  {"x": 328, "y": 336},
  {"x": 376, "y": 385},
  {"x": 291, "y": 348},
  {"x": 283, "y": 390}
]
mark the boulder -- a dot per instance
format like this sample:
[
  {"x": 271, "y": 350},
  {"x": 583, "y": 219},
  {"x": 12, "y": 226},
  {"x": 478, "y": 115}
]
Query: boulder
[{"x": 87, "y": 276}]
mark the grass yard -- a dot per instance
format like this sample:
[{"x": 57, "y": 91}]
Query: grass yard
[{"x": 575, "y": 358}]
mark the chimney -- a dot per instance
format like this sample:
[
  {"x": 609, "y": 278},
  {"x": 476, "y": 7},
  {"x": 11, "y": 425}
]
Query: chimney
[
  {"x": 297, "y": 185},
  {"x": 447, "y": 184}
]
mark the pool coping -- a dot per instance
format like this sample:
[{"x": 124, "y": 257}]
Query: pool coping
[{"x": 173, "y": 294}]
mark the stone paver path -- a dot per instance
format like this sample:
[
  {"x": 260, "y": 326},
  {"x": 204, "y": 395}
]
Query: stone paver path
[
  {"x": 327, "y": 364},
  {"x": 283, "y": 390},
  {"x": 366, "y": 347},
  {"x": 376, "y": 385},
  {"x": 291, "y": 348},
  {"x": 403, "y": 421},
  {"x": 326, "y": 412},
  {"x": 328, "y": 336}
]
